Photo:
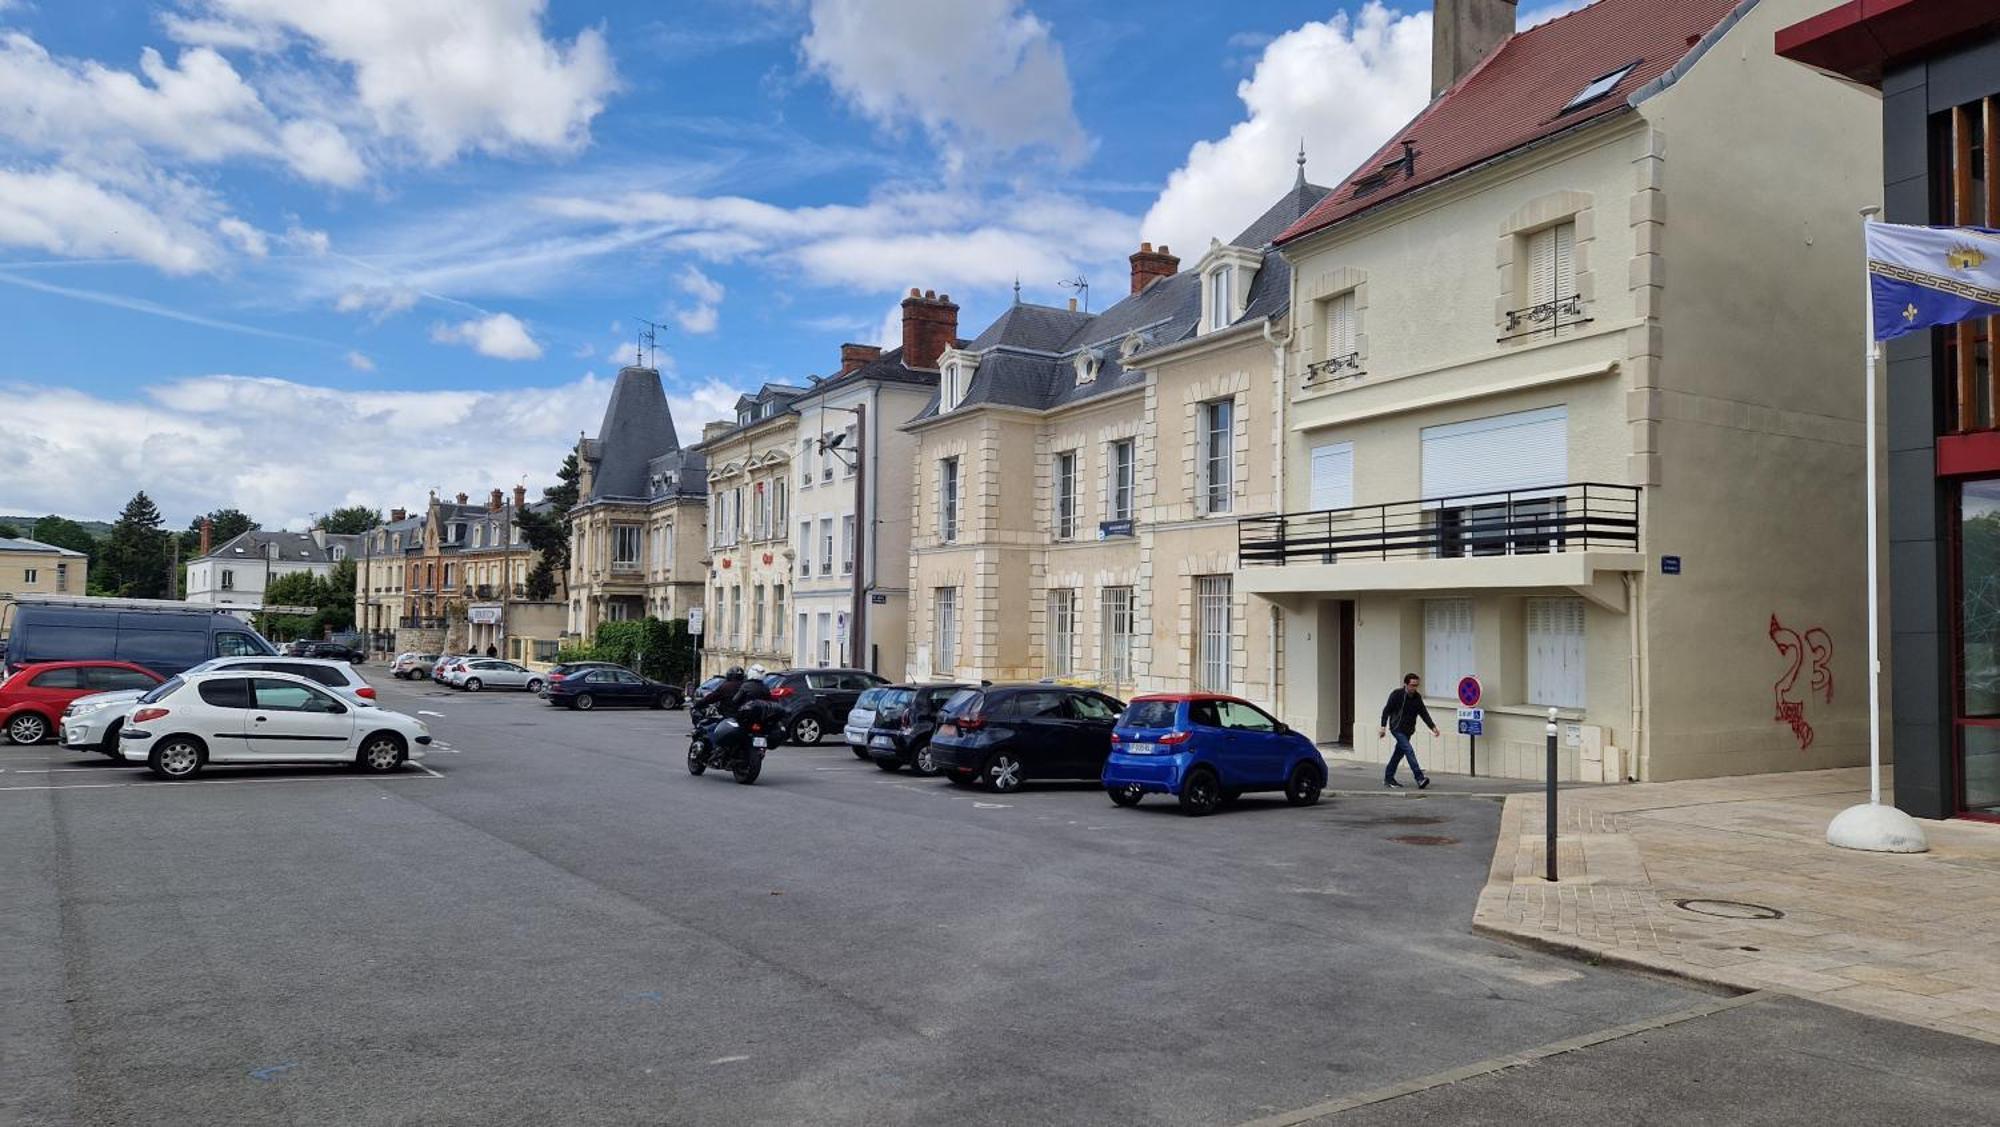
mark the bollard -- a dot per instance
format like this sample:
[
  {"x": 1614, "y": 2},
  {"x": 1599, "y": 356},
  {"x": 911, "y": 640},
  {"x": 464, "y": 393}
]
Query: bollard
[{"x": 1551, "y": 803}]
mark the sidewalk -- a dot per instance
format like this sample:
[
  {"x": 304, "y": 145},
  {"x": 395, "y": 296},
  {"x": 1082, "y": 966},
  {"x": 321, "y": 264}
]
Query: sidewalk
[{"x": 1908, "y": 937}]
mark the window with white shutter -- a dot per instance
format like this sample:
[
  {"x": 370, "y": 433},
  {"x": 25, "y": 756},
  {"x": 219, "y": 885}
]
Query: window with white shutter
[
  {"x": 1333, "y": 476},
  {"x": 1340, "y": 335},
  {"x": 1447, "y": 643},
  {"x": 944, "y": 630},
  {"x": 1555, "y": 652},
  {"x": 1062, "y": 632},
  {"x": 1551, "y": 302},
  {"x": 1213, "y": 605}
]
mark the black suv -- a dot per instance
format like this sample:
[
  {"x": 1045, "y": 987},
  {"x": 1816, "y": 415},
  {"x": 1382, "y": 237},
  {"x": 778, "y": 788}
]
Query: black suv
[
  {"x": 1004, "y": 735},
  {"x": 906, "y": 717},
  {"x": 818, "y": 700},
  {"x": 331, "y": 651}
]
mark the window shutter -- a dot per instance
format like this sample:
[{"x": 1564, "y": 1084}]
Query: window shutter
[
  {"x": 1523, "y": 450},
  {"x": 1555, "y": 652},
  {"x": 1333, "y": 476},
  {"x": 1340, "y": 326},
  {"x": 1447, "y": 642}
]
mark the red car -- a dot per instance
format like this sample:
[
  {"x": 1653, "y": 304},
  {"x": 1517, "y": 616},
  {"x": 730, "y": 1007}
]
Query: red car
[{"x": 32, "y": 700}]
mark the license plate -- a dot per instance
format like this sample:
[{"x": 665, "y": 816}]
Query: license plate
[
  {"x": 759, "y": 742},
  {"x": 1141, "y": 749},
  {"x": 882, "y": 741}
]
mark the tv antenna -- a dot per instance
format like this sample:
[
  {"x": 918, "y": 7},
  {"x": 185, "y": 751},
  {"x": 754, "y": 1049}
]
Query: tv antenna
[
  {"x": 1081, "y": 285},
  {"x": 649, "y": 341}
]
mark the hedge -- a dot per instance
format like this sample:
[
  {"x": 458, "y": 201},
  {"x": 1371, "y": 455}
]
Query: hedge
[{"x": 663, "y": 651}]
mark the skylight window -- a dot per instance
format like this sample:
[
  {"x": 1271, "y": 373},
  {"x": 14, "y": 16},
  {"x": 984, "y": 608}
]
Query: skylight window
[{"x": 1598, "y": 88}]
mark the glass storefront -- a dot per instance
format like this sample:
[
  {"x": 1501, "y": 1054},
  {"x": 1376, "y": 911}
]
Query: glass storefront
[{"x": 1979, "y": 646}]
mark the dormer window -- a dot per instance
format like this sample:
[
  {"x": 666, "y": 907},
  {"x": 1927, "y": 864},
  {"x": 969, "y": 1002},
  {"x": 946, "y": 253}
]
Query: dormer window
[
  {"x": 1226, "y": 274},
  {"x": 1219, "y": 297},
  {"x": 955, "y": 372},
  {"x": 1087, "y": 364}
]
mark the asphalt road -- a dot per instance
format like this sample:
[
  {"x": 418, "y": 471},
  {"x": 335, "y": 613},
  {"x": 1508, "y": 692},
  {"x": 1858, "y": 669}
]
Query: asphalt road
[{"x": 554, "y": 922}]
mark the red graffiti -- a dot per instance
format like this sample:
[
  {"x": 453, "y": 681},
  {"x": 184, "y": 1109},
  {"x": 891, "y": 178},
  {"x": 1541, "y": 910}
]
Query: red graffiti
[{"x": 1814, "y": 643}]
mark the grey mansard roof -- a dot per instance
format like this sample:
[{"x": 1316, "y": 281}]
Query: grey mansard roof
[{"x": 638, "y": 428}]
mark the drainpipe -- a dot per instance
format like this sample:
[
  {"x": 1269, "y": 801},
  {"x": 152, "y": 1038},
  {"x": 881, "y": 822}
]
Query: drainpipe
[
  {"x": 1632, "y": 612},
  {"x": 1278, "y": 345}
]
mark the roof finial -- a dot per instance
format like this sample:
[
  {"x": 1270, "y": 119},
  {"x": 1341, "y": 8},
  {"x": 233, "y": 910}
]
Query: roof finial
[
  {"x": 1302, "y": 164},
  {"x": 1017, "y": 289}
]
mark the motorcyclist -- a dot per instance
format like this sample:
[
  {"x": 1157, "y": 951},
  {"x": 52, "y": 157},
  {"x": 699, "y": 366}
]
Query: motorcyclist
[
  {"x": 723, "y": 695},
  {"x": 752, "y": 688},
  {"x": 752, "y": 706}
]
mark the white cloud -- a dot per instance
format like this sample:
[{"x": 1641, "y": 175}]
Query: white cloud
[
  {"x": 186, "y": 443},
  {"x": 360, "y": 362},
  {"x": 249, "y": 239},
  {"x": 64, "y": 213},
  {"x": 449, "y": 75},
  {"x": 501, "y": 336},
  {"x": 1375, "y": 68},
  {"x": 982, "y": 77},
  {"x": 321, "y": 152},
  {"x": 379, "y": 302},
  {"x": 702, "y": 316},
  {"x": 306, "y": 240}
]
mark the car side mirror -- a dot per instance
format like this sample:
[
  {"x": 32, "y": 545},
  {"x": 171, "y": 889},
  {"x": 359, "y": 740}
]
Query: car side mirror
[{"x": 1283, "y": 729}]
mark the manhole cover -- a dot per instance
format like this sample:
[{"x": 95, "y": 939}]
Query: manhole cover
[
  {"x": 1414, "y": 820},
  {"x": 1424, "y": 839},
  {"x": 1729, "y": 909}
]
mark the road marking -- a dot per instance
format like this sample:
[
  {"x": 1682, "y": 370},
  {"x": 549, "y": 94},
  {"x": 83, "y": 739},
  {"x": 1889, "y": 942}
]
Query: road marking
[
  {"x": 197, "y": 783},
  {"x": 272, "y": 1072},
  {"x": 995, "y": 806},
  {"x": 728, "y": 1060},
  {"x": 50, "y": 770}
]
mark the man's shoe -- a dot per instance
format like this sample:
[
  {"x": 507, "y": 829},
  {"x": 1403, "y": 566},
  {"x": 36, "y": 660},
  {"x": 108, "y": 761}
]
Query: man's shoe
[
  {"x": 1392, "y": 783},
  {"x": 1423, "y": 782}
]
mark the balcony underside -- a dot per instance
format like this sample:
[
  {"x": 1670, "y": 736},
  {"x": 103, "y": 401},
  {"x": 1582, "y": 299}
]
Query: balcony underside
[{"x": 1593, "y": 575}]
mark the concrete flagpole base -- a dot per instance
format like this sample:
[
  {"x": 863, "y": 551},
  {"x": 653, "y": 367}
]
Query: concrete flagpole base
[{"x": 1877, "y": 829}]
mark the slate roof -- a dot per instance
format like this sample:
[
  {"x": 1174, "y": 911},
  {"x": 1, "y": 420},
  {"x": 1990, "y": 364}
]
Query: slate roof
[
  {"x": 23, "y": 544},
  {"x": 1516, "y": 95},
  {"x": 683, "y": 473},
  {"x": 638, "y": 427},
  {"x": 293, "y": 547},
  {"x": 1040, "y": 328}
]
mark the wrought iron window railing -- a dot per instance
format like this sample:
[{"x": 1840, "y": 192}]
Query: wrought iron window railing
[
  {"x": 1580, "y": 516},
  {"x": 1334, "y": 369},
  {"x": 1550, "y": 316}
]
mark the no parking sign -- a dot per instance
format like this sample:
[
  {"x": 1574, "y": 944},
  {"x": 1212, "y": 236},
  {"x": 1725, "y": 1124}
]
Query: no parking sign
[{"x": 1468, "y": 692}]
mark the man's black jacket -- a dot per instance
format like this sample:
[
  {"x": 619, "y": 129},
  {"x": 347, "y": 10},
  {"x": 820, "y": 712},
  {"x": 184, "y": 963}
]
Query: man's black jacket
[{"x": 1403, "y": 710}]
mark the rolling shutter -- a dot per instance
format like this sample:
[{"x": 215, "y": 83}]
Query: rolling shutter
[
  {"x": 1522, "y": 451},
  {"x": 1333, "y": 476}
]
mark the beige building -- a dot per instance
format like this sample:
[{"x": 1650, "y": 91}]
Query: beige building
[
  {"x": 1572, "y": 408},
  {"x": 30, "y": 567},
  {"x": 453, "y": 579},
  {"x": 1079, "y": 479},
  {"x": 637, "y": 531},
  {"x": 748, "y": 555}
]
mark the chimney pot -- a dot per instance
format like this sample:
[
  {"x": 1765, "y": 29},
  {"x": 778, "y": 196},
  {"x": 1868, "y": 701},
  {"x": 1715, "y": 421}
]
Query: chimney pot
[
  {"x": 1464, "y": 32},
  {"x": 1072, "y": 305},
  {"x": 399, "y": 514},
  {"x": 207, "y": 535},
  {"x": 914, "y": 292},
  {"x": 1145, "y": 248},
  {"x": 1163, "y": 249},
  {"x": 1149, "y": 266},
  {"x": 520, "y": 497},
  {"x": 930, "y": 325},
  {"x": 493, "y": 502},
  {"x": 854, "y": 357},
  {"x": 461, "y": 498}
]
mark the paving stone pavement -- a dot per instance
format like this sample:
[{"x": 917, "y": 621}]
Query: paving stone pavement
[{"x": 1908, "y": 937}]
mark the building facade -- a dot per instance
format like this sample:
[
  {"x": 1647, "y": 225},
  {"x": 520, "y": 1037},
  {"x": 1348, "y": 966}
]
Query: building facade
[
  {"x": 638, "y": 528},
  {"x": 30, "y": 567},
  {"x": 236, "y": 572},
  {"x": 1563, "y": 411},
  {"x": 748, "y": 556},
  {"x": 1936, "y": 66}
]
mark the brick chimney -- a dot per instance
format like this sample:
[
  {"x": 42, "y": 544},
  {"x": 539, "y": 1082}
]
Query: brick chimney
[
  {"x": 207, "y": 535},
  {"x": 399, "y": 514},
  {"x": 520, "y": 497},
  {"x": 461, "y": 498},
  {"x": 930, "y": 325},
  {"x": 1464, "y": 32},
  {"x": 1149, "y": 266},
  {"x": 493, "y": 501},
  {"x": 854, "y": 357}
]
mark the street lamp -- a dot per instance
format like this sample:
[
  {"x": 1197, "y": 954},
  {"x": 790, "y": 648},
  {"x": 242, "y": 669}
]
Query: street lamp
[{"x": 857, "y": 630}]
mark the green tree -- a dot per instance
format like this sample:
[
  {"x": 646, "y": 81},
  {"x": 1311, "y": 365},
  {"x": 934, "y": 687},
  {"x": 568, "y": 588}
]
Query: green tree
[
  {"x": 350, "y": 520},
  {"x": 65, "y": 533},
  {"x": 135, "y": 555},
  {"x": 548, "y": 533},
  {"x": 332, "y": 600},
  {"x": 224, "y": 525},
  {"x": 9, "y": 532}
]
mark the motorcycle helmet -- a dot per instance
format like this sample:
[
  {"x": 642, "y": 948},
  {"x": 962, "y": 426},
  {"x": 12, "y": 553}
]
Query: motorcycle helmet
[
  {"x": 735, "y": 673},
  {"x": 757, "y": 673}
]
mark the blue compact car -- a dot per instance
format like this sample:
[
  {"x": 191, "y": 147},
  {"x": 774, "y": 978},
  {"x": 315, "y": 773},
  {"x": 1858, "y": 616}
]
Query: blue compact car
[{"x": 1206, "y": 749}]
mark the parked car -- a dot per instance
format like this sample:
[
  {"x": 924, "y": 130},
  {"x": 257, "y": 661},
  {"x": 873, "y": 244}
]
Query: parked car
[
  {"x": 198, "y": 719},
  {"x": 332, "y": 651},
  {"x": 91, "y": 723},
  {"x": 614, "y": 686},
  {"x": 905, "y": 719},
  {"x": 32, "y": 700},
  {"x": 166, "y": 638},
  {"x": 441, "y": 669},
  {"x": 570, "y": 669},
  {"x": 411, "y": 666},
  {"x": 328, "y": 673},
  {"x": 861, "y": 717},
  {"x": 492, "y": 673},
  {"x": 815, "y": 699},
  {"x": 1206, "y": 750},
  {"x": 1003, "y": 735}
]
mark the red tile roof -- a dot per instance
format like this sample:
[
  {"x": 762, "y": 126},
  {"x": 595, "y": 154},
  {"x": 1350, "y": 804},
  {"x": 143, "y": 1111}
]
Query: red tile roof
[{"x": 1516, "y": 94}]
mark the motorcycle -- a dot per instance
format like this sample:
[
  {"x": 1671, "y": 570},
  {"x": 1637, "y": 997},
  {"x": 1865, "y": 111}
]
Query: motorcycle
[{"x": 735, "y": 745}]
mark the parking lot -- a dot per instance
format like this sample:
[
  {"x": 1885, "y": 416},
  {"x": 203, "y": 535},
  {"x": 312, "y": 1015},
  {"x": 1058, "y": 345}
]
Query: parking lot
[{"x": 549, "y": 920}]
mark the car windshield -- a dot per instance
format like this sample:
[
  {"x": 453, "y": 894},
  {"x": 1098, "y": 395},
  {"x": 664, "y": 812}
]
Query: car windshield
[
  {"x": 1150, "y": 714},
  {"x": 890, "y": 700},
  {"x": 163, "y": 690}
]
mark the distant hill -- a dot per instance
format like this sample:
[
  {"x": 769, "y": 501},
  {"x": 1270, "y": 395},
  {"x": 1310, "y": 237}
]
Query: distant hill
[{"x": 97, "y": 528}]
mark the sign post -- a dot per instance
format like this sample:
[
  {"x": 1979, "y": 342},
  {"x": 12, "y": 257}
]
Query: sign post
[
  {"x": 694, "y": 631},
  {"x": 1471, "y": 719},
  {"x": 1550, "y": 847}
]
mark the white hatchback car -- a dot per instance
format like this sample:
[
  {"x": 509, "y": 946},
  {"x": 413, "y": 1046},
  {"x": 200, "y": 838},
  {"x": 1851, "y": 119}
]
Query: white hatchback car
[
  {"x": 339, "y": 676},
  {"x": 246, "y": 717},
  {"x": 474, "y": 674}
]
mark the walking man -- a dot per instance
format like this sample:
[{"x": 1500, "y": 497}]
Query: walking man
[{"x": 1400, "y": 716}]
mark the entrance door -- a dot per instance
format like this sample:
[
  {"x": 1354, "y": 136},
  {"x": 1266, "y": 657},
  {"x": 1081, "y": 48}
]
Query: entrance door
[
  {"x": 1978, "y": 687},
  {"x": 1334, "y": 643},
  {"x": 1347, "y": 672}
]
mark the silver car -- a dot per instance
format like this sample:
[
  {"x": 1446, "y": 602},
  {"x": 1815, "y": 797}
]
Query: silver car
[
  {"x": 336, "y": 676},
  {"x": 861, "y": 718},
  {"x": 492, "y": 673},
  {"x": 91, "y": 723}
]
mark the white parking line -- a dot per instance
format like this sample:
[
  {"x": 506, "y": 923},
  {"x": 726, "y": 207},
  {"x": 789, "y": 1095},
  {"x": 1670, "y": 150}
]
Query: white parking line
[{"x": 427, "y": 773}]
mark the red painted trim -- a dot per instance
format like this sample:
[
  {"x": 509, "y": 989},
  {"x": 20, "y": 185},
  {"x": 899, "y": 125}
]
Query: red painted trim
[
  {"x": 1861, "y": 39},
  {"x": 1964, "y": 455}
]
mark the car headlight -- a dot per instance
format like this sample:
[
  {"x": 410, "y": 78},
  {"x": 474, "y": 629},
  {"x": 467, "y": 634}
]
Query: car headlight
[{"x": 85, "y": 708}]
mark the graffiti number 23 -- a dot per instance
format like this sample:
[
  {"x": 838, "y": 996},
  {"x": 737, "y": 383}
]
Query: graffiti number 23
[{"x": 1796, "y": 647}]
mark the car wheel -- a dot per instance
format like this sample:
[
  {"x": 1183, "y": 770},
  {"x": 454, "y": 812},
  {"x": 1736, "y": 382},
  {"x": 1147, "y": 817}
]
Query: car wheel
[
  {"x": 1303, "y": 788},
  {"x": 663, "y": 701},
  {"x": 924, "y": 764},
  {"x": 584, "y": 701},
  {"x": 1201, "y": 792},
  {"x": 1003, "y": 774},
  {"x": 380, "y": 754},
  {"x": 1126, "y": 795},
  {"x": 176, "y": 757},
  {"x": 27, "y": 728},
  {"x": 472, "y": 684},
  {"x": 696, "y": 765},
  {"x": 535, "y": 687},
  {"x": 807, "y": 731},
  {"x": 109, "y": 744}
]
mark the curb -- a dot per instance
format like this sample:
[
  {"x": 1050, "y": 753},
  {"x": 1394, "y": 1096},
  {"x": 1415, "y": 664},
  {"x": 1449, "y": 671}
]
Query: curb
[{"x": 1579, "y": 952}]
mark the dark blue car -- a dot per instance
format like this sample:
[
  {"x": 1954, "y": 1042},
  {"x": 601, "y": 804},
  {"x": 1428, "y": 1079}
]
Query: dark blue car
[{"x": 1206, "y": 749}]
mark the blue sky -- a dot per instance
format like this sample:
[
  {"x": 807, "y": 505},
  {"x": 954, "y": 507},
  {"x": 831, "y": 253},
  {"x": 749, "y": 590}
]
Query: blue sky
[{"x": 292, "y": 254}]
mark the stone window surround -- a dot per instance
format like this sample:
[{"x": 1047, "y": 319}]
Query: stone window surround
[
  {"x": 1235, "y": 387},
  {"x": 1510, "y": 267},
  {"x": 1318, "y": 296},
  {"x": 1246, "y": 263}
]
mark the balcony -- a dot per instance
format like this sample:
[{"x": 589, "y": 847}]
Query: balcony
[
  {"x": 1557, "y": 536},
  {"x": 1333, "y": 370},
  {"x": 1550, "y": 317}
]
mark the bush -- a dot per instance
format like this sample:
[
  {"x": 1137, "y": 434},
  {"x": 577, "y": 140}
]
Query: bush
[{"x": 663, "y": 651}]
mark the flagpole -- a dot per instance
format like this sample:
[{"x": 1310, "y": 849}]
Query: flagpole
[{"x": 1873, "y": 826}]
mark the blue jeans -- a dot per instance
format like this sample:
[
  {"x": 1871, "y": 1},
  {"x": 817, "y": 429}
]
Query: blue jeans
[{"x": 1403, "y": 751}]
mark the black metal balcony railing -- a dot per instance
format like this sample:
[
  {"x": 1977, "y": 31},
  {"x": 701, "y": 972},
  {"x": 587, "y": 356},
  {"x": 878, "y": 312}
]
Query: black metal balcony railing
[
  {"x": 1334, "y": 369},
  {"x": 1577, "y": 517},
  {"x": 1548, "y": 317}
]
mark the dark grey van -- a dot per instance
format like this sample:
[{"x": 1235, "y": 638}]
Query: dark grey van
[{"x": 166, "y": 640}]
